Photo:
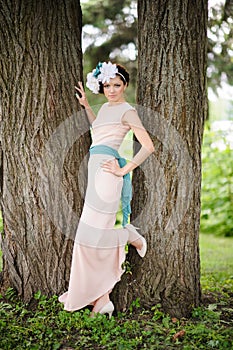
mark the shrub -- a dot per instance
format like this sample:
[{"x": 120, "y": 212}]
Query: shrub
[{"x": 217, "y": 184}]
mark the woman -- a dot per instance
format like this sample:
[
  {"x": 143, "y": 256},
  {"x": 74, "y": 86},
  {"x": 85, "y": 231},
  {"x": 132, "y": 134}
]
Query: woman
[{"x": 99, "y": 248}]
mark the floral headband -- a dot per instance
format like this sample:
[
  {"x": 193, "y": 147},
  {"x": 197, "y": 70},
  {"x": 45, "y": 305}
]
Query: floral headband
[{"x": 102, "y": 74}]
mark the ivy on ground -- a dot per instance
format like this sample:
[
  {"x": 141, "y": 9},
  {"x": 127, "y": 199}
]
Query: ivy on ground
[{"x": 43, "y": 324}]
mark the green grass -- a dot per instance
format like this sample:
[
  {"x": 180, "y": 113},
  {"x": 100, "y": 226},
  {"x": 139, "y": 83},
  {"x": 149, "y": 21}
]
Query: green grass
[{"x": 216, "y": 262}]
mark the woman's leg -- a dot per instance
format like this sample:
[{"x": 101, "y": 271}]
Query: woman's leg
[
  {"x": 137, "y": 240},
  {"x": 137, "y": 244},
  {"x": 99, "y": 303}
]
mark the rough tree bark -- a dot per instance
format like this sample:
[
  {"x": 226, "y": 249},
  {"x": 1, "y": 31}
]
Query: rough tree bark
[
  {"x": 166, "y": 204},
  {"x": 41, "y": 61}
]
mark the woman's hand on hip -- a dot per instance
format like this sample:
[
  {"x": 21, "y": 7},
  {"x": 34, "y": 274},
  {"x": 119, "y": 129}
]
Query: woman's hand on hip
[{"x": 112, "y": 166}]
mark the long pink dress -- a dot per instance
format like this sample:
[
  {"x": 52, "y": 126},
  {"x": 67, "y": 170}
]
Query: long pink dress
[{"x": 99, "y": 248}]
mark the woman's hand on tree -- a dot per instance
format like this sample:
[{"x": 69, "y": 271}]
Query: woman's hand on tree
[{"x": 80, "y": 95}]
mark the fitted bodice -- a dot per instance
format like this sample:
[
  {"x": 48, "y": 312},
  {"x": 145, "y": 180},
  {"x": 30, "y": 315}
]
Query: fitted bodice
[{"x": 107, "y": 128}]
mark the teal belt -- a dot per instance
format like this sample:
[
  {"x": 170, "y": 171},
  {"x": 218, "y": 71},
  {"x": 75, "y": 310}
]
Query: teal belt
[{"x": 126, "y": 192}]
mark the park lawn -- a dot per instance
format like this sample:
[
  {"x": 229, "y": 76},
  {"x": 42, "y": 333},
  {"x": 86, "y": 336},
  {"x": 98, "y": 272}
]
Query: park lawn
[
  {"x": 216, "y": 254},
  {"x": 216, "y": 262}
]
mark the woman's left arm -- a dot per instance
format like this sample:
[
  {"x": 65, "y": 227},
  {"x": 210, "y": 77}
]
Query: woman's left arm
[{"x": 132, "y": 119}]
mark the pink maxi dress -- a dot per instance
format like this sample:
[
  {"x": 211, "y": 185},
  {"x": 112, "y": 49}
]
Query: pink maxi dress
[{"x": 99, "y": 248}]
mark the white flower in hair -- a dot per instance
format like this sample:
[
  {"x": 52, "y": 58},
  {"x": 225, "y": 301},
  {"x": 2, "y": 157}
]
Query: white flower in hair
[
  {"x": 107, "y": 71},
  {"x": 92, "y": 82}
]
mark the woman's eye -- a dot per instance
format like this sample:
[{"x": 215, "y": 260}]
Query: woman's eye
[{"x": 115, "y": 85}]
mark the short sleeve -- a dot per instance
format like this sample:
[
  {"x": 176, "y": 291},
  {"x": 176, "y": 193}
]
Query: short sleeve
[{"x": 131, "y": 119}]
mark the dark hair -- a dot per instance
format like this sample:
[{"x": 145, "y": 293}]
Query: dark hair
[{"x": 121, "y": 70}]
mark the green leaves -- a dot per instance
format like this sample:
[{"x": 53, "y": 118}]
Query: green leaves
[
  {"x": 45, "y": 325},
  {"x": 217, "y": 185}
]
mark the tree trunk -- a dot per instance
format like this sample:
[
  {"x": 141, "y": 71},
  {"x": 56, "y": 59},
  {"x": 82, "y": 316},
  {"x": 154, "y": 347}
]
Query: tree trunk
[
  {"x": 41, "y": 134},
  {"x": 166, "y": 203}
]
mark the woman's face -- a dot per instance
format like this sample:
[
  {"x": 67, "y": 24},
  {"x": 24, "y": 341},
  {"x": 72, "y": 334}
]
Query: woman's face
[{"x": 114, "y": 90}]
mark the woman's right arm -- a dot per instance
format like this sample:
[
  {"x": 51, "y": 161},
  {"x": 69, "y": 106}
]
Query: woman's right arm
[{"x": 81, "y": 96}]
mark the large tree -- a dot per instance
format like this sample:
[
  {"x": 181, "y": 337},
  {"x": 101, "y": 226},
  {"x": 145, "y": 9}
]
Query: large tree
[
  {"x": 41, "y": 199},
  {"x": 172, "y": 102}
]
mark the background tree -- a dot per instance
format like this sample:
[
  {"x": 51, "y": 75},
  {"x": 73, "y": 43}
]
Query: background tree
[
  {"x": 41, "y": 61},
  {"x": 172, "y": 45},
  {"x": 220, "y": 43}
]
